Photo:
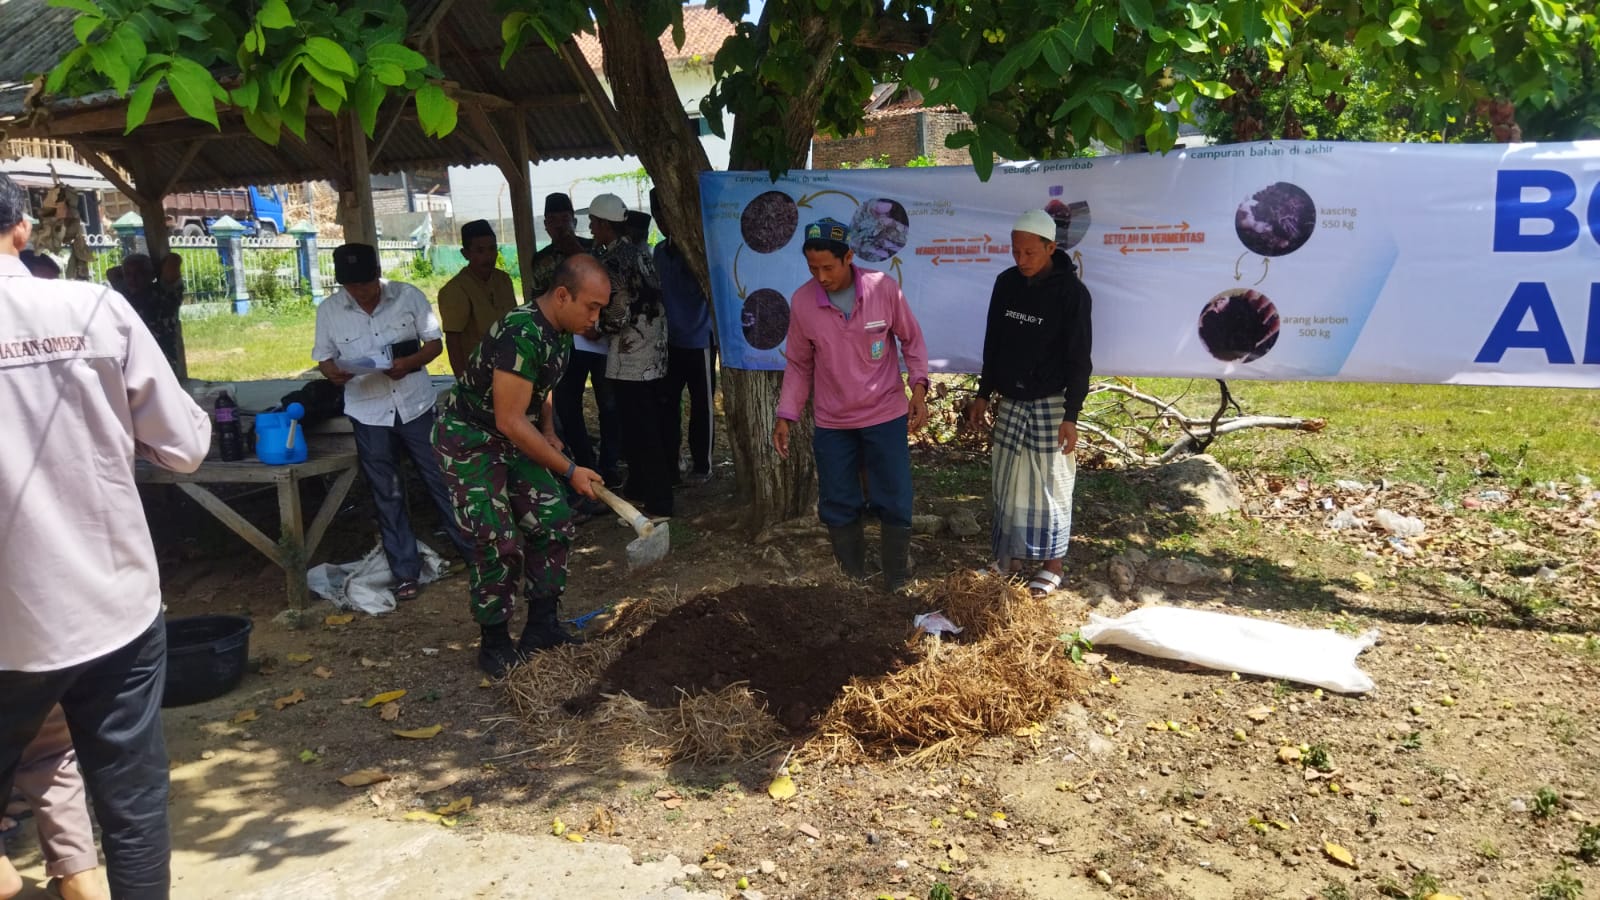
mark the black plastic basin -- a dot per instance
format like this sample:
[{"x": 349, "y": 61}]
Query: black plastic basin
[{"x": 206, "y": 657}]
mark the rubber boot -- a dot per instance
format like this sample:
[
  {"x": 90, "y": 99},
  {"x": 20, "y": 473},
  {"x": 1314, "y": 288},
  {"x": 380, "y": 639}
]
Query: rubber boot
[
  {"x": 496, "y": 654},
  {"x": 543, "y": 629},
  {"x": 850, "y": 548},
  {"x": 896, "y": 557}
]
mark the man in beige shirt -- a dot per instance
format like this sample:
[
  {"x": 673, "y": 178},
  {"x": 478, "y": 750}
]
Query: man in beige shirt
[
  {"x": 84, "y": 390},
  {"x": 476, "y": 298}
]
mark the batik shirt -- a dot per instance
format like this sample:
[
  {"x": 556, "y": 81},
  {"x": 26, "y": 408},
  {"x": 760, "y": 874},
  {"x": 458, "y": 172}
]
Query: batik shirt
[
  {"x": 522, "y": 342},
  {"x": 635, "y": 319}
]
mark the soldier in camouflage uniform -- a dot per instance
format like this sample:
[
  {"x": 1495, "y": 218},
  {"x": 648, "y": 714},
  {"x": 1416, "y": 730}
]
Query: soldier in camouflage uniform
[{"x": 506, "y": 474}]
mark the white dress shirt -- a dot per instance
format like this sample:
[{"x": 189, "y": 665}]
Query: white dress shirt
[
  {"x": 84, "y": 388},
  {"x": 346, "y": 330}
]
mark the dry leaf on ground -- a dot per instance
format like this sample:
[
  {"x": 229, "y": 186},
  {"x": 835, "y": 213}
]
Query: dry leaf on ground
[
  {"x": 781, "y": 788},
  {"x": 245, "y": 715},
  {"x": 421, "y": 734},
  {"x": 1339, "y": 855},
  {"x": 384, "y": 697},
  {"x": 344, "y": 619},
  {"x": 298, "y": 659},
  {"x": 322, "y": 672},
  {"x": 364, "y": 777},
  {"x": 458, "y": 806},
  {"x": 283, "y": 702},
  {"x": 390, "y": 711}
]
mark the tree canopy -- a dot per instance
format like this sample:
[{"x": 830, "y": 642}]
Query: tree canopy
[{"x": 1039, "y": 78}]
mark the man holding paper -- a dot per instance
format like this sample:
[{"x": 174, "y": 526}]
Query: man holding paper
[{"x": 376, "y": 338}]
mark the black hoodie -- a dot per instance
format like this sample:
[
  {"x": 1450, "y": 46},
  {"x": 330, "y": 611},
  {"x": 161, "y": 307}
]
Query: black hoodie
[{"x": 1039, "y": 336}]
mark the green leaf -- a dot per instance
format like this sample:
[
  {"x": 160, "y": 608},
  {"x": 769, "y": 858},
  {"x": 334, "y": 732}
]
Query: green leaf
[
  {"x": 321, "y": 76},
  {"x": 111, "y": 65},
  {"x": 129, "y": 45},
  {"x": 139, "y": 103},
  {"x": 1105, "y": 28},
  {"x": 367, "y": 96},
  {"x": 1102, "y": 106},
  {"x": 1480, "y": 46},
  {"x": 327, "y": 98},
  {"x": 1188, "y": 41},
  {"x": 1005, "y": 71},
  {"x": 436, "y": 111},
  {"x": 191, "y": 86},
  {"x": 1139, "y": 13},
  {"x": 511, "y": 26},
  {"x": 275, "y": 14},
  {"x": 1216, "y": 90},
  {"x": 331, "y": 55},
  {"x": 263, "y": 126},
  {"x": 390, "y": 75},
  {"x": 83, "y": 6},
  {"x": 397, "y": 55},
  {"x": 1056, "y": 56},
  {"x": 83, "y": 27},
  {"x": 247, "y": 94},
  {"x": 293, "y": 113}
]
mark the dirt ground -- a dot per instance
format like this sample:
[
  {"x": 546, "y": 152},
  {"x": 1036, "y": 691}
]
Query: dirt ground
[{"x": 1470, "y": 771}]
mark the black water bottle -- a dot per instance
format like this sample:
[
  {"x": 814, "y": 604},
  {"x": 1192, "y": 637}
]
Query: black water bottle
[{"x": 229, "y": 440}]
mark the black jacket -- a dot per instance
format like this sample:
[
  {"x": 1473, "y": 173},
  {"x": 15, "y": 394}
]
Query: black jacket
[{"x": 1039, "y": 336}]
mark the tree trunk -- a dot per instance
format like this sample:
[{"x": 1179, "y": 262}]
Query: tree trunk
[
  {"x": 657, "y": 128},
  {"x": 770, "y": 489}
]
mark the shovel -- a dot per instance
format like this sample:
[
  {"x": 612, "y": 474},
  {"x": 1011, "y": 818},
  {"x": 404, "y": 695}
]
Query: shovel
[{"x": 653, "y": 541}]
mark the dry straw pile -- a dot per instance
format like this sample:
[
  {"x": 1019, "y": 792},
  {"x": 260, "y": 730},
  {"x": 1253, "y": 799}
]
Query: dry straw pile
[
  {"x": 1006, "y": 671},
  {"x": 730, "y": 725}
]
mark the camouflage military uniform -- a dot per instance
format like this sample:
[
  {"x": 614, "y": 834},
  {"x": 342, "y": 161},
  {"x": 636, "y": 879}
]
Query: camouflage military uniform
[{"x": 513, "y": 509}]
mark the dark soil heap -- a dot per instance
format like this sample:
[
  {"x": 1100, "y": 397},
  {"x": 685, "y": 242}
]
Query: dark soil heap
[{"x": 796, "y": 646}]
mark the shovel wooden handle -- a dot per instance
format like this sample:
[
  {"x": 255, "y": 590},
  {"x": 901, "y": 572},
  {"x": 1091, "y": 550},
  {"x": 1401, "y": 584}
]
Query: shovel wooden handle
[{"x": 623, "y": 508}]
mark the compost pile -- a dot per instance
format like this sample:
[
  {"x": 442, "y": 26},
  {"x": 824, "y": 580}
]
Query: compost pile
[{"x": 738, "y": 674}]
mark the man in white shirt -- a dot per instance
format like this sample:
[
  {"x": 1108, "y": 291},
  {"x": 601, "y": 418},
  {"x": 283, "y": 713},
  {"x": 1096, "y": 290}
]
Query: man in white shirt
[
  {"x": 367, "y": 325},
  {"x": 84, "y": 390}
]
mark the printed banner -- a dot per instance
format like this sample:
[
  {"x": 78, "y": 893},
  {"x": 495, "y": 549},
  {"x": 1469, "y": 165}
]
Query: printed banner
[{"x": 1448, "y": 264}]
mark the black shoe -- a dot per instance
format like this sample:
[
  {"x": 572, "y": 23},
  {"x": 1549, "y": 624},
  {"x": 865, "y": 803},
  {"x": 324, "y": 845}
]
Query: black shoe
[
  {"x": 850, "y": 548},
  {"x": 543, "y": 629},
  {"x": 896, "y": 557},
  {"x": 496, "y": 654}
]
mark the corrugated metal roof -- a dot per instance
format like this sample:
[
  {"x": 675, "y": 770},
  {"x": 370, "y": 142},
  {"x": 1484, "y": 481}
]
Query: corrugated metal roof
[
  {"x": 34, "y": 36},
  {"x": 556, "y": 97}
]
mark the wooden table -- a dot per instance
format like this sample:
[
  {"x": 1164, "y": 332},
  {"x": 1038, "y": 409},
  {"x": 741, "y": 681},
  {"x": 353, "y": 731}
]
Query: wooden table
[{"x": 328, "y": 454}]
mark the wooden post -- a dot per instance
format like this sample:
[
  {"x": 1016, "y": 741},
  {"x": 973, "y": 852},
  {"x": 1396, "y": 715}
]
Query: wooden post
[
  {"x": 148, "y": 186},
  {"x": 355, "y": 197},
  {"x": 522, "y": 206}
]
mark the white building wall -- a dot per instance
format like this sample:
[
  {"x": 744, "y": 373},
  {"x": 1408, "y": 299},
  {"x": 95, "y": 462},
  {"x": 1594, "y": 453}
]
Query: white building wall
[{"x": 479, "y": 192}]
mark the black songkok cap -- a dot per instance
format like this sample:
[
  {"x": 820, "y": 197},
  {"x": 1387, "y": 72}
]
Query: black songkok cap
[{"x": 355, "y": 264}]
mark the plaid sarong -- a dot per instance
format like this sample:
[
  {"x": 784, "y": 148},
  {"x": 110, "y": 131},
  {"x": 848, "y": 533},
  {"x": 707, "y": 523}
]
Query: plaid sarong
[{"x": 1031, "y": 481}]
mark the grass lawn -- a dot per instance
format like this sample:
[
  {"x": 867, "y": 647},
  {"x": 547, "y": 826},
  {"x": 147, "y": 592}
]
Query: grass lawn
[
  {"x": 1433, "y": 434},
  {"x": 1423, "y": 433},
  {"x": 262, "y": 345}
]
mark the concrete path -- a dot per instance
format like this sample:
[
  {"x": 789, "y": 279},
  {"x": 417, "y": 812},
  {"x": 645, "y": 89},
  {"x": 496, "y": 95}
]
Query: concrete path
[{"x": 330, "y": 858}]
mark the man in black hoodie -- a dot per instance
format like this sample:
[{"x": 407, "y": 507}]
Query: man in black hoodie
[{"x": 1036, "y": 356}]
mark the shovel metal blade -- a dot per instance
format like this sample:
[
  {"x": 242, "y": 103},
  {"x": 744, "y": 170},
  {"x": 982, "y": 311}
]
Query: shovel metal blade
[{"x": 650, "y": 547}]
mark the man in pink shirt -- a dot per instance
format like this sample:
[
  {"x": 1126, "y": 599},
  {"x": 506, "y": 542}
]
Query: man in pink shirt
[
  {"x": 84, "y": 389},
  {"x": 848, "y": 329}
]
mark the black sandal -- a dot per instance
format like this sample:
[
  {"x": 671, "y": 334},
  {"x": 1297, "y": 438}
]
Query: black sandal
[{"x": 407, "y": 590}]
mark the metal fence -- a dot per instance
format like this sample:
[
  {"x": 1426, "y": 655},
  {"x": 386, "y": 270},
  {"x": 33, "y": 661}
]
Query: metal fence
[{"x": 272, "y": 268}]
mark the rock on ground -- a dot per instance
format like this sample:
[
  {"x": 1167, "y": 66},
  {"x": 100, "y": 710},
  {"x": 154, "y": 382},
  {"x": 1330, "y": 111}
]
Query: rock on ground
[
  {"x": 964, "y": 524},
  {"x": 1200, "y": 484}
]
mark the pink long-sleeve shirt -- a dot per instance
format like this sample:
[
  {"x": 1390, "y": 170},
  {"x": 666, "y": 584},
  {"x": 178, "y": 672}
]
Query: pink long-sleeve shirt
[
  {"x": 84, "y": 389},
  {"x": 853, "y": 365}
]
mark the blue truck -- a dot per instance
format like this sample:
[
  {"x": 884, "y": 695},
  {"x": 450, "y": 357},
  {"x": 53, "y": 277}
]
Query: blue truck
[{"x": 259, "y": 210}]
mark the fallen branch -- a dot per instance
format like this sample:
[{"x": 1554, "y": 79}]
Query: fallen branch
[{"x": 1187, "y": 445}]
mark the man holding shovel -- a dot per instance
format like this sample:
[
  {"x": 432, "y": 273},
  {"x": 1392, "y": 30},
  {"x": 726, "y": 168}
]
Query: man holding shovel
[{"x": 507, "y": 477}]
